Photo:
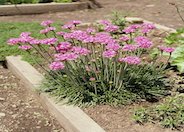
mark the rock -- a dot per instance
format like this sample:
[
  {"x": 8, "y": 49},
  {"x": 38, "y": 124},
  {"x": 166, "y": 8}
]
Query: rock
[
  {"x": 2, "y": 115},
  {"x": 2, "y": 99},
  {"x": 150, "y": 5},
  {"x": 14, "y": 106}
]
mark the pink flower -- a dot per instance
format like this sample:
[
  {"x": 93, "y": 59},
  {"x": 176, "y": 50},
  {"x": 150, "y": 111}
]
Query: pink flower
[
  {"x": 13, "y": 41},
  {"x": 129, "y": 47},
  {"x": 133, "y": 60},
  {"x": 25, "y": 47},
  {"x": 92, "y": 79},
  {"x": 63, "y": 46},
  {"x": 68, "y": 26},
  {"x": 143, "y": 42},
  {"x": 75, "y": 22},
  {"x": 35, "y": 41},
  {"x": 25, "y": 34},
  {"x": 113, "y": 46},
  {"x": 90, "y": 30},
  {"x": 103, "y": 38},
  {"x": 111, "y": 28},
  {"x": 81, "y": 51},
  {"x": 129, "y": 30},
  {"x": 109, "y": 53},
  {"x": 124, "y": 38},
  {"x": 46, "y": 30},
  {"x": 56, "y": 66},
  {"x": 47, "y": 23},
  {"x": 166, "y": 49},
  {"x": 105, "y": 22},
  {"x": 48, "y": 41},
  {"x": 66, "y": 56},
  {"x": 60, "y": 33},
  {"x": 147, "y": 27}
]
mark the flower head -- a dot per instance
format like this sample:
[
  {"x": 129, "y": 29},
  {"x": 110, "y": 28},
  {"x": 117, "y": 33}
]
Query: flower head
[
  {"x": 111, "y": 28},
  {"x": 81, "y": 51},
  {"x": 109, "y": 53},
  {"x": 47, "y": 23},
  {"x": 56, "y": 66},
  {"x": 124, "y": 38},
  {"x": 13, "y": 41},
  {"x": 25, "y": 47},
  {"x": 66, "y": 57},
  {"x": 143, "y": 42},
  {"x": 166, "y": 49},
  {"x": 133, "y": 60},
  {"x": 129, "y": 47},
  {"x": 48, "y": 41}
]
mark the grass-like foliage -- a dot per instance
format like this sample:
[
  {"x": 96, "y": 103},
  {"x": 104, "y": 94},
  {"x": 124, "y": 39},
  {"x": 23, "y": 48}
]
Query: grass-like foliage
[
  {"x": 169, "y": 114},
  {"x": 108, "y": 63}
]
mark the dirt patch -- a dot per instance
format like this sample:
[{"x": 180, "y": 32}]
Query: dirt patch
[
  {"x": 20, "y": 111},
  {"x": 154, "y": 10},
  {"x": 119, "y": 119}
]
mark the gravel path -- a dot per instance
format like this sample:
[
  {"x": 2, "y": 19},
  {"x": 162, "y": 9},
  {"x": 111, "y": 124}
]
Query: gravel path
[{"x": 20, "y": 111}]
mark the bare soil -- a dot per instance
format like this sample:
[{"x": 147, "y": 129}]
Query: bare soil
[
  {"x": 119, "y": 119},
  {"x": 159, "y": 11},
  {"x": 20, "y": 111}
]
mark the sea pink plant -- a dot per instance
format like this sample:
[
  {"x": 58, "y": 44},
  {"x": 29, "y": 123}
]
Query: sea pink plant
[
  {"x": 56, "y": 66},
  {"x": 133, "y": 60},
  {"x": 47, "y": 23},
  {"x": 111, "y": 28},
  {"x": 66, "y": 57},
  {"x": 13, "y": 41},
  {"x": 64, "y": 46},
  {"x": 109, "y": 53},
  {"x": 25, "y": 47},
  {"x": 90, "y": 30},
  {"x": 49, "y": 41},
  {"x": 113, "y": 46},
  {"x": 80, "y": 51},
  {"x": 143, "y": 42},
  {"x": 166, "y": 49},
  {"x": 129, "y": 47},
  {"x": 124, "y": 38}
]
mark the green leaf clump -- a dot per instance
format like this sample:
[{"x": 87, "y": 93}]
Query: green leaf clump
[{"x": 169, "y": 114}]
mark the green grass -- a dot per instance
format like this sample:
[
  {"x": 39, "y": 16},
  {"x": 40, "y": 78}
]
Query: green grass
[{"x": 13, "y": 30}]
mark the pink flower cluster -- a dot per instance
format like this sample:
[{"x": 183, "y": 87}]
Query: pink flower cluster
[
  {"x": 25, "y": 47},
  {"x": 49, "y": 41},
  {"x": 71, "y": 24},
  {"x": 147, "y": 27},
  {"x": 143, "y": 42},
  {"x": 108, "y": 26},
  {"x": 63, "y": 47},
  {"x": 131, "y": 29},
  {"x": 166, "y": 49},
  {"x": 129, "y": 47},
  {"x": 66, "y": 57},
  {"x": 133, "y": 60},
  {"x": 56, "y": 66},
  {"x": 48, "y": 29},
  {"x": 124, "y": 38},
  {"x": 109, "y": 53},
  {"x": 47, "y": 23},
  {"x": 80, "y": 51}
]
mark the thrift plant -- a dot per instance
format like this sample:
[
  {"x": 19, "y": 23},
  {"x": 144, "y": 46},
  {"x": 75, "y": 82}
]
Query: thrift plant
[{"x": 101, "y": 64}]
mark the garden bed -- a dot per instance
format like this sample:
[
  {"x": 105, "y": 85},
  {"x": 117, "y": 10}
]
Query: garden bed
[
  {"x": 25, "y": 9},
  {"x": 114, "y": 121}
]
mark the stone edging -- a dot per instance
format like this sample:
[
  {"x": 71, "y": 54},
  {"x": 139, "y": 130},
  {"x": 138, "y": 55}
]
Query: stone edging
[
  {"x": 72, "y": 118},
  {"x": 25, "y": 9}
]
